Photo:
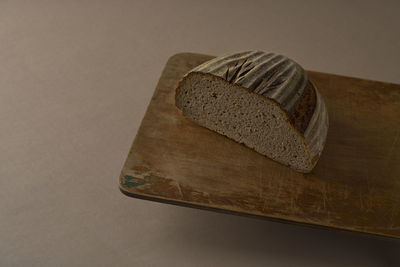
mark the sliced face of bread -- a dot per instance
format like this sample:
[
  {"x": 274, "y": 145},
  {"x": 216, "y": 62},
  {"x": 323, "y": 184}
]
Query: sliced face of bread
[{"x": 262, "y": 100}]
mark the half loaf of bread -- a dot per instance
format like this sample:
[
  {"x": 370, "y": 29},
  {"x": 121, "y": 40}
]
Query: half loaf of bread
[{"x": 263, "y": 100}]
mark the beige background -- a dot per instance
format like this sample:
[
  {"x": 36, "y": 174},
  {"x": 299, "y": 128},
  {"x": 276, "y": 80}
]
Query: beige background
[{"x": 75, "y": 80}]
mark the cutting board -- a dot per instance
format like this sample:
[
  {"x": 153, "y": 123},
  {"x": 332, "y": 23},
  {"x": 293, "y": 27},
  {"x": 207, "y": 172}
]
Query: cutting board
[{"x": 355, "y": 185}]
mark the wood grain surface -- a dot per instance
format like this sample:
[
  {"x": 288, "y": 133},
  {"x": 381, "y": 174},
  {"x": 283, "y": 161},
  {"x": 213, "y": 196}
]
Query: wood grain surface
[{"x": 355, "y": 185}]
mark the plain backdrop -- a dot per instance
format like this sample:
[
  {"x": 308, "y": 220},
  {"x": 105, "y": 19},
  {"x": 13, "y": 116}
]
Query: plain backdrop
[{"x": 75, "y": 80}]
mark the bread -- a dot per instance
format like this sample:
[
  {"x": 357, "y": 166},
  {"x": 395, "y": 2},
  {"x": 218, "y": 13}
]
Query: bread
[{"x": 263, "y": 100}]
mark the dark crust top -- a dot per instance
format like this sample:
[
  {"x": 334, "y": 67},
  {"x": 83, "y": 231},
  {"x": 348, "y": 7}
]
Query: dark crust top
[{"x": 268, "y": 74}]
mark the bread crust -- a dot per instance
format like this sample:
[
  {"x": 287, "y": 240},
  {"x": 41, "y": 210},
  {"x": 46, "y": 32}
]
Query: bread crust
[{"x": 309, "y": 108}]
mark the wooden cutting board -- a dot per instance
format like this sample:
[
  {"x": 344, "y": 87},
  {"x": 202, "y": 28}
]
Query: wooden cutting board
[{"x": 355, "y": 185}]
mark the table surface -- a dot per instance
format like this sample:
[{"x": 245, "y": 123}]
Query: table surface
[
  {"x": 354, "y": 186},
  {"x": 75, "y": 80}
]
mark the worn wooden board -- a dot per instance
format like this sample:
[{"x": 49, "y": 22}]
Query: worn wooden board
[{"x": 355, "y": 185}]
